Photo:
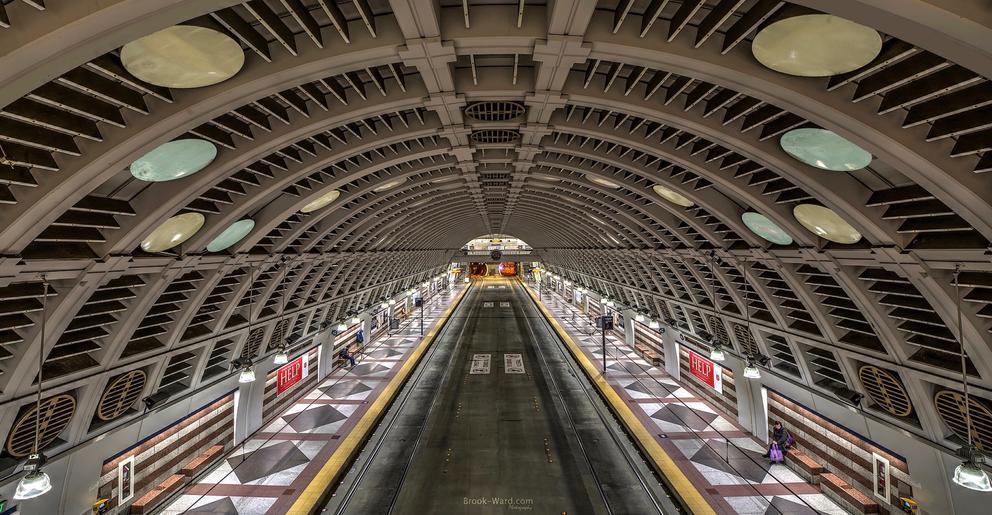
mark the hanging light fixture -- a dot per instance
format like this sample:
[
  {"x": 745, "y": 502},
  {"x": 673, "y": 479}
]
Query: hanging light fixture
[
  {"x": 392, "y": 302},
  {"x": 247, "y": 374},
  {"x": 750, "y": 368},
  {"x": 342, "y": 327},
  {"x": 282, "y": 352},
  {"x": 384, "y": 305},
  {"x": 970, "y": 473},
  {"x": 716, "y": 354},
  {"x": 247, "y": 366},
  {"x": 282, "y": 356},
  {"x": 654, "y": 324},
  {"x": 355, "y": 320},
  {"x": 36, "y": 482},
  {"x": 638, "y": 317}
]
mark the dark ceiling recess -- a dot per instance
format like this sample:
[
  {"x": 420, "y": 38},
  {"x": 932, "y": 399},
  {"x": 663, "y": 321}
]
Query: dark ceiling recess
[
  {"x": 495, "y": 111},
  {"x": 497, "y": 136}
]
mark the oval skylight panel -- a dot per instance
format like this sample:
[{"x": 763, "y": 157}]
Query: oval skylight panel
[
  {"x": 388, "y": 185},
  {"x": 606, "y": 183},
  {"x": 672, "y": 196},
  {"x": 826, "y": 224},
  {"x": 173, "y": 232},
  {"x": 321, "y": 201},
  {"x": 183, "y": 56},
  {"x": 824, "y": 149},
  {"x": 174, "y": 160},
  {"x": 765, "y": 228},
  {"x": 816, "y": 45},
  {"x": 233, "y": 234}
]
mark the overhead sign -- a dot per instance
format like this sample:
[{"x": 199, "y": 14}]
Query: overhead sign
[
  {"x": 292, "y": 373},
  {"x": 706, "y": 371}
]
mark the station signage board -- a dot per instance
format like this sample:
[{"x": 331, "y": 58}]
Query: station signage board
[
  {"x": 706, "y": 371},
  {"x": 292, "y": 373}
]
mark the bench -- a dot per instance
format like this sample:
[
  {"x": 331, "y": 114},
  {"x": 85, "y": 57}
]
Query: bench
[
  {"x": 805, "y": 466},
  {"x": 648, "y": 354},
  {"x": 161, "y": 492},
  {"x": 847, "y": 496},
  {"x": 201, "y": 462}
]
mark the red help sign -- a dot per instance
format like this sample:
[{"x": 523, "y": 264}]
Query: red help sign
[
  {"x": 292, "y": 373},
  {"x": 706, "y": 371}
]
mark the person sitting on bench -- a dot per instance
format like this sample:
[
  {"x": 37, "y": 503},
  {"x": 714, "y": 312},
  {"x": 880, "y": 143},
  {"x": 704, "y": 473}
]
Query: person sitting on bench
[{"x": 345, "y": 355}]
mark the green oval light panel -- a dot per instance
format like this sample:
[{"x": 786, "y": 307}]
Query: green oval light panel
[
  {"x": 824, "y": 149},
  {"x": 603, "y": 182},
  {"x": 672, "y": 196},
  {"x": 233, "y": 234},
  {"x": 816, "y": 45},
  {"x": 183, "y": 56},
  {"x": 765, "y": 228},
  {"x": 172, "y": 232},
  {"x": 826, "y": 224},
  {"x": 174, "y": 160},
  {"x": 321, "y": 201}
]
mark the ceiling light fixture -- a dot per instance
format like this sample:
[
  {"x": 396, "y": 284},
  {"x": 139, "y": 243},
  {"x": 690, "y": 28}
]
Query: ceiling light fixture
[
  {"x": 717, "y": 354},
  {"x": 282, "y": 356},
  {"x": 968, "y": 474},
  {"x": 36, "y": 482},
  {"x": 750, "y": 368},
  {"x": 246, "y": 364}
]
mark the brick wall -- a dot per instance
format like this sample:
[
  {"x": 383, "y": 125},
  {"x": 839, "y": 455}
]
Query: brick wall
[
  {"x": 725, "y": 402},
  {"x": 841, "y": 451},
  {"x": 644, "y": 335},
  {"x": 165, "y": 452}
]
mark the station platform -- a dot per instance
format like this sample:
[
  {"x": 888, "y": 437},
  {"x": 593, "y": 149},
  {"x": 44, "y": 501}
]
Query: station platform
[
  {"x": 721, "y": 460},
  {"x": 491, "y": 413},
  {"x": 273, "y": 468}
]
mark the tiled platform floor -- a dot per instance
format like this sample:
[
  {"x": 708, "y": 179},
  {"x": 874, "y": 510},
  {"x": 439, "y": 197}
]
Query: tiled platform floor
[
  {"x": 733, "y": 477},
  {"x": 268, "y": 472}
]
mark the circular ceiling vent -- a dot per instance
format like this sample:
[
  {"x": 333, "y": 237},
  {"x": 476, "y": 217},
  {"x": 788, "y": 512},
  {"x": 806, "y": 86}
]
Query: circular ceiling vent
[
  {"x": 495, "y": 136},
  {"x": 885, "y": 390},
  {"x": 951, "y": 408},
  {"x": 494, "y": 111},
  {"x": 56, "y": 412},
  {"x": 121, "y": 394}
]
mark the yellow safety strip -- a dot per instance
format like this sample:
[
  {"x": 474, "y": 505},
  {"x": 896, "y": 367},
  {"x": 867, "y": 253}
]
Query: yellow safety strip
[
  {"x": 307, "y": 502},
  {"x": 684, "y": 488}
]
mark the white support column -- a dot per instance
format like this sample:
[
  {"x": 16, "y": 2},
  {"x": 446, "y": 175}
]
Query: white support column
[
  {"x": 628, "y": 327},
  {"x": 366, "y": 326},
  {"x": 248, "y": 416},
  {"x": 670, "y": 342},
  {"x": 752, "y": 409},
  {"x": 325, "y": 362}
]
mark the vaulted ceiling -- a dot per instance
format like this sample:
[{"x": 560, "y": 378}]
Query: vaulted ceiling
[{"x": 634, "y": 144}]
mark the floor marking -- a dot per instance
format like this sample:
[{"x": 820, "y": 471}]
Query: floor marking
[
  {"x": 481, "y": 363},
  {"x": 513, "y": 363},
  {"x": 504, "y": 304},
  {"x": 487, "y": 304}
]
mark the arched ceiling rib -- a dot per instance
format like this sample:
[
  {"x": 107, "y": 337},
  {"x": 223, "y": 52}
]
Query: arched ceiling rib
[{"x": 346, "y": 96}]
